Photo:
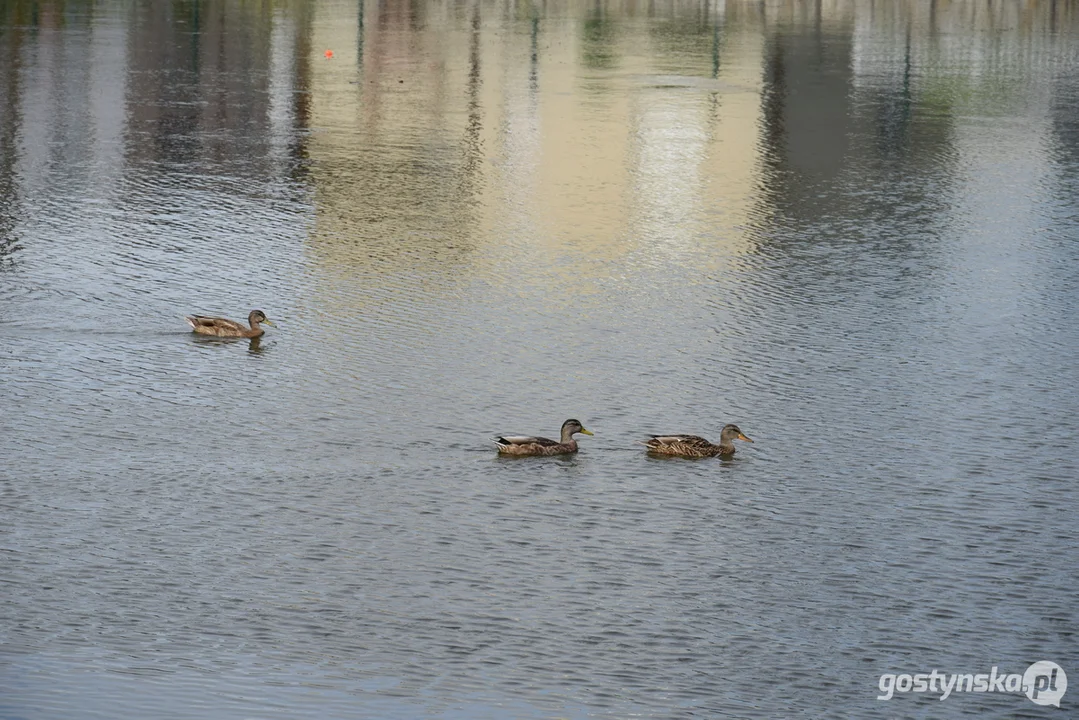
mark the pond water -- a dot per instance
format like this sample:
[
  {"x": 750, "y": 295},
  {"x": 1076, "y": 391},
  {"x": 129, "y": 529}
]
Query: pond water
[{"x": 849, "y": 226}]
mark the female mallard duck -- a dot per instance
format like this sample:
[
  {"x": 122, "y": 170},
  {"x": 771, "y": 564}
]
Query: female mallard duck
[
  {"x": 220, "y": 327},
  {"x": 693, "y": 446},
  {"x": 521, "y": 445}
]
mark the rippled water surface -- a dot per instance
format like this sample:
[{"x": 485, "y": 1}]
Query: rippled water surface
[{"x": 850, "y": 227}]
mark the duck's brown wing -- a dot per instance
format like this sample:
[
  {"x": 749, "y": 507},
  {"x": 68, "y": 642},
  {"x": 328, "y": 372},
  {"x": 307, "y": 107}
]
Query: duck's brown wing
[
  {"x": 507, "y": 440},
  {"x": 520, "y": 445},
  {"x": 681, "y": 445},
  {"x": 214, "y": 325},
  {"x": 679, "y": 439}
]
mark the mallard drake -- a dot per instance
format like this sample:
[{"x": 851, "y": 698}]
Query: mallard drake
[
  {"x": 221, "y": 327},
  {"x": 693, "y": 446},
  {"x": 527, "y": 445}
]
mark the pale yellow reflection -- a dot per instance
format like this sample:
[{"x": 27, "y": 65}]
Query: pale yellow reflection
[
  {"x": 572, "y": 141},
  {"x": 491, "y": 141}
]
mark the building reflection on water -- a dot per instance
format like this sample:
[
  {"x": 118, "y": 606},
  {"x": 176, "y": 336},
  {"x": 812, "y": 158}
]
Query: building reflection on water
[{"x": 440, "y": 133}]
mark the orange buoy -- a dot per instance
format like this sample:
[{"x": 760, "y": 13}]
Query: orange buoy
[{"x": 329, "y": 53}]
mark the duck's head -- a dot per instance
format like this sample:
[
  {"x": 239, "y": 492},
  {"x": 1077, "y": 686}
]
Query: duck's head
[
  {"x": 571, "y": 427},
  {"x": 256, "y": 317},
  {"x": 732, "y": 432}
]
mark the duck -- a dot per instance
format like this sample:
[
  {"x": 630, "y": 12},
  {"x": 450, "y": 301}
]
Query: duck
[
  {"x": 222, "y": 327},
  {"x": 694, "y": 446},
  {"x": 529, "y": 445}
]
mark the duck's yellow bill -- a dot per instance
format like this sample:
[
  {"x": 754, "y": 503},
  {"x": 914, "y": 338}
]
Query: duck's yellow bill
[
  {"x": 743, "y": 437},
  {"x": 271, "y": 323},
  {"x": 587, "y": 432}
]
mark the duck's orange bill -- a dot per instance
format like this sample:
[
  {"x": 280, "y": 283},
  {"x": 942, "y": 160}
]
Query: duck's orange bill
[{"x": 743, "y": 437}]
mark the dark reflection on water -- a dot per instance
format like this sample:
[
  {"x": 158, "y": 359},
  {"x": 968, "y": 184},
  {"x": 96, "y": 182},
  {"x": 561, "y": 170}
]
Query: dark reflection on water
[
  {"x": 848, "y": 227},
  {"x": 254, "y": 345}
]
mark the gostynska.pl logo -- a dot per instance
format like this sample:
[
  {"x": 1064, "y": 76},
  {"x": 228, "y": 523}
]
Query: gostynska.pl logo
[{"x": 1043, "y": 682}]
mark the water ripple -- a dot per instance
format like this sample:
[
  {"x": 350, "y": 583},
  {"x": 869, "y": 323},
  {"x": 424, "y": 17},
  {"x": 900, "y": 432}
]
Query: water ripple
[{"x": 851, "y": 234}]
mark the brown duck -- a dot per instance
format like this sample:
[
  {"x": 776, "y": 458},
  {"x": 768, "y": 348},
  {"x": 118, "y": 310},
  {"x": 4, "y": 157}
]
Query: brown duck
[
  {"x": 696, "y": 447},
  {"x": 222, "y": 327},
  {"x": 529, "y": 445}
]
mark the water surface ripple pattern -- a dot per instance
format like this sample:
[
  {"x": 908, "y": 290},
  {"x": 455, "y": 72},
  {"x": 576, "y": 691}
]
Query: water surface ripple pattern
[{"x": 852, "y": 232}]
